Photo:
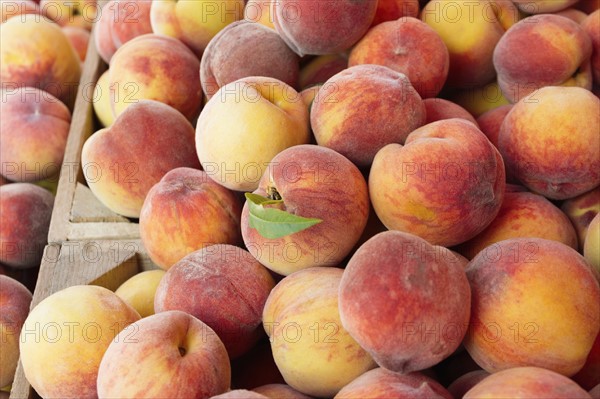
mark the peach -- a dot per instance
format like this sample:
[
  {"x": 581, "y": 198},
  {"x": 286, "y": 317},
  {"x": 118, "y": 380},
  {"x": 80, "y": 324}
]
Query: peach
[
  {"x": 15, "y": 299},
  {"x": 560, "y": 56},
  {"x": 157, "y": 68},
  {"x": 138, "y": 291},
  {"x": 187, "y": 211},
  {"x": 312, "y": 182},
  {"x": 26, "y": 210},
  {"x": 446, "y": 184},
  {"x": 422, "y": 298},
  {"x": 573, "y": 14},
  {"x": 35, "y": 52},
  {"x": 73, "y": 324},
  {"x": 382, "y": 383},
  {"x": 591, "y": 246},
  {"x": 470, "y": 30},
  {"x": 236, "y": 151},
  {"x": 225, "y": 58},
  {"x": 438, "y": 109},
  {"x": 102, "y": 100},
  {"x": 490, "y": 122},
  {"x": 309, "y": 95},
  {"x": 550, "y": 141},
  {"x": 259, "y": 11},
  {"x": 526, "y": 382},
  {"x": 225, "y": 287},
  {"x": 172, "y": 355},
  {"x": 321, "y": 68},
  {"x": 121, "y": 163},
  {"x": 79, "y": 38},
  {"x": 240, "y": 394},
  {"x": 194, "y": 23},
  {"x": 392, "y": 10},
  {"x": 11, "y": 8},
  {"x": 591, "y": 25},
  {"x": 408, "y": 46},
  {"x": 280, "y": 391},
  {"x": 342, "y": 118},
  {"x": 81, "y": 13},
  {"x": 33, "y": 134},
  {"x": 314, "y": 353},
  {"x": 523, "y": 214},
  {"x": 543, "y": 6},
  {"x": 310, "y": 27},
  {"x": 595, "y": 392},
  {"x": 581, "y": 210},
  {"x": 509, "y": 329},
  {"x": 467, "y": 381},
  {"x": 120, "y": 22},
  {"x": 589, "y": 375},
  {"x": 481, "y": 99}
]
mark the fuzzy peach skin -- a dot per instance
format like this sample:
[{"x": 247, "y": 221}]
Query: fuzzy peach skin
[
  {"x": 592, "y": 26},
  {"x": 446, "y": 184},
  {"x": 550, "y": 141},
  {"x": 71, "y": 325},
  {"x": 244, "y": 49},
  {"x": 102, "y": 100},
  {"x": 138, "y": 291},
  {"x": 35, "y": 52},
  {"x": 380, "y": 383},
  {"x": 313, "y": 182},
  {"x": 26, "y": 210},
  {"x": 421, "y": 296},
  {"x": 314, "y": 353},
  {"x": 309, "y": 95},
  {"x": 240, "y": 394},
  {"x": 157, "y": 68},
  {"x": 481, "y": 99},
  {"x": 33, "y": 134},
  {"x": 509, "y": 329},
  {"x": 438, "y": 109},
  {"x": 81, "y": 13},
  {"x": 470, "y": 30},
  {"x": 560, "y": 57},
  {"x": 409, "y": 46},
  {"x": 392, "y": 10},
  {"x": 595, "y": 392},
  {"x": 342, "y": 118},
  {"x": 79, "y": 38},
  {"x": 573, "y": 14},
  {"x": 322, "y": 27},
  {"x": 523, "y": 214},
  {"x": 119, "y": 22},
  {"x": 171, "y": 355},
  {"x": 464, "y": 383},
  {"x": 14, "y": 307},
  {"x": 259, "y": 11},
  {"x": 12, "y": 8},
  {"x": 490, "y": 122},
  {"x": 526, "y": 382},
  {"x": 187, "y": 211},
  {"x": 321, "y": 68},
  {"x": 581, "y": 210},
  {"x": 591, "y": 246},
  {"x": 280, "y": 391},
  {"x": 236, "y": 151},
  {"x": 543, "y": 6},
  {"x": 121, "y": 163},
  {"x": 589, "y": 376},
  {"x": 194, "y": 23},
  {"x": 225, "y": 287}
]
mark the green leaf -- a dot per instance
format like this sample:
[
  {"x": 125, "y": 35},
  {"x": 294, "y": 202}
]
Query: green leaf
[{"x": 273, "y": 223}]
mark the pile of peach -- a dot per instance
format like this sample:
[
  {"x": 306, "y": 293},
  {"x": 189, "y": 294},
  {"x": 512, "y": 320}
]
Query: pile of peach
[{"x": 445, "y": 152}]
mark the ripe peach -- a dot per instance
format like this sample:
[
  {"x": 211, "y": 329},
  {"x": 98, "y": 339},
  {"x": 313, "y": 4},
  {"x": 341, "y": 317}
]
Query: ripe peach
[
  {"x": 422, "y": 298},
  {"x": 467, "y": 381},
  {"x": 481, "y": 99},
  {"x": 491, "y": 121},
  {"x": 259, "y": 11},
  {"x": 26, "y": 210},
  {"x": 408, "y": 46},
  {"x": 392, "y": 10},
  {"x": 102, "y": 102},
  {"x": 591, "y": 246},
  {"x": 543, "y": 6},
  {"x": 446, "y": 184},
  {"x": 573, "y": 14},
  {"x": 11, "y": 8},
  {"x": 280, "y": 391},
  {"x": 438, "y": 109},
  {"x": 240, "y": 394},
  {"x": 225, "y": 287},
  {"x": 342, "y": 118},
  {"x": 121, "y": 163},
  {"x": 581, "y": 210},
  {"x": 509, "y": 329},
  {"x": 187, "y": 211},
  {"x": 592, "y": 26},
  {"x": 310, "y": 27},
  {"x": 321, "y": 68},
  {"x": 550, "y": 141},
  {"x": 138, "y": 291},
  {"x": 226, "y": 57},
  {"x": 80, "y": 13},
  {"x": 79, "y": 38}
]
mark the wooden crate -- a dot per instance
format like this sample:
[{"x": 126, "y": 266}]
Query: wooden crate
[
  {"x": 107, "y": 263},
  {"x": 77, "y": 214}
]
